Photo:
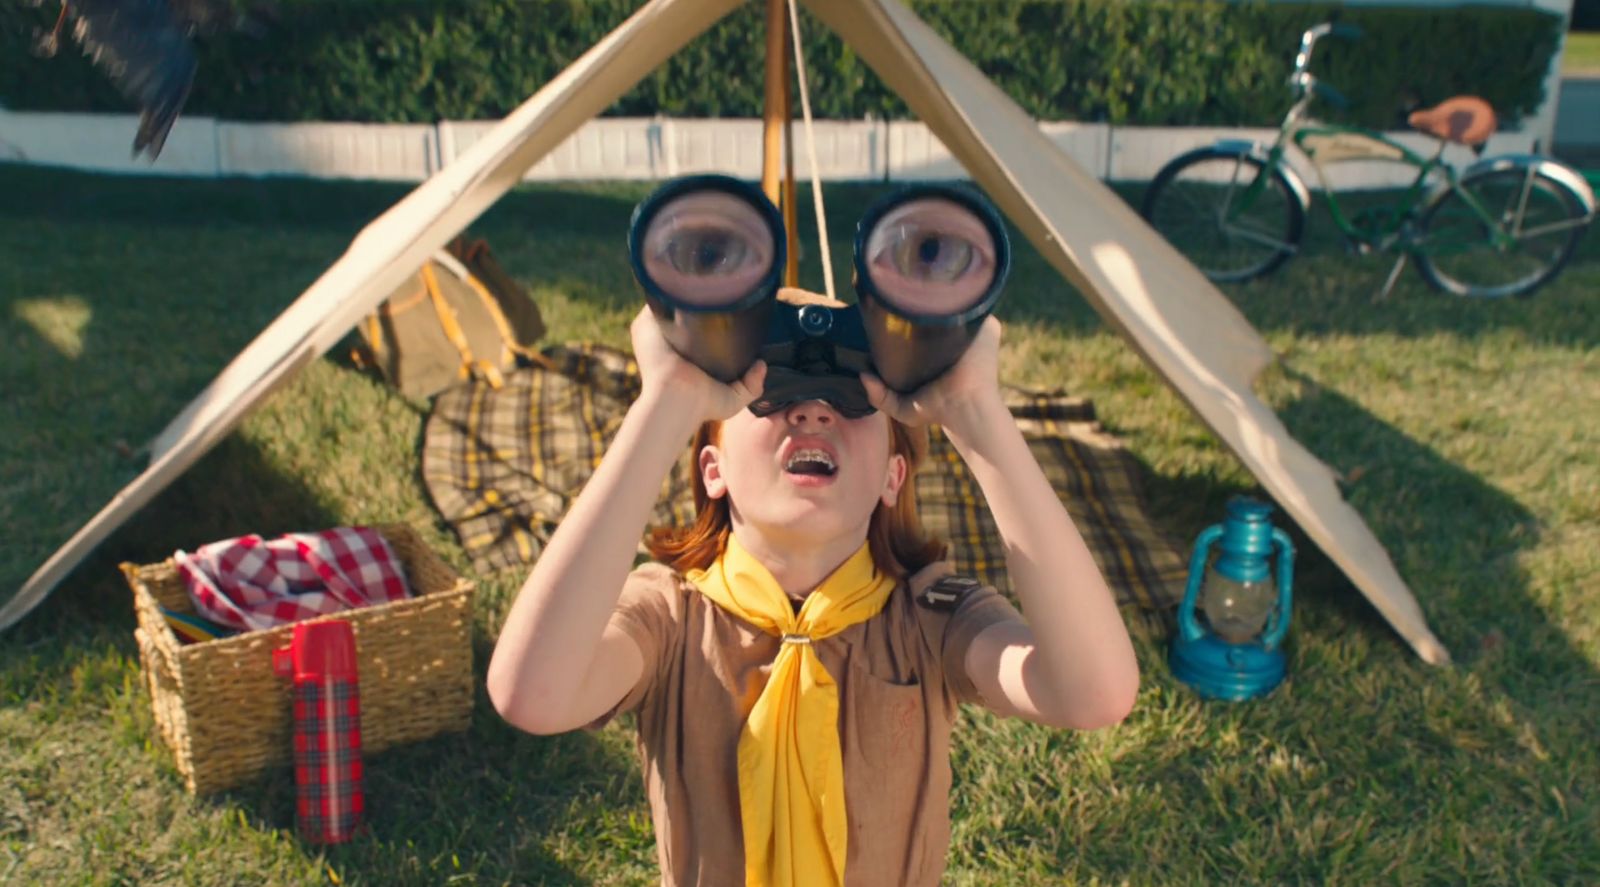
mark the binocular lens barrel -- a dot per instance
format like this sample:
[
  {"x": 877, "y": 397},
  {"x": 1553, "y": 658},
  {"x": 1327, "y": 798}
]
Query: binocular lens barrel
[
  {"x": 931, "y": 261},
  {"x": 709, "y": 253},
  {"x": 708, "y": 249},
  {"x": 930, "y": 257}
]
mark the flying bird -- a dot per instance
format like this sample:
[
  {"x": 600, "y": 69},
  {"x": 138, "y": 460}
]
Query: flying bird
[{"x": 146, "y": 48}]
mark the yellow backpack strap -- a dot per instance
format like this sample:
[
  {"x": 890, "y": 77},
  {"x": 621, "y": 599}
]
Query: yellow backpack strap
[
  {"x": 376, "y": 344},
  {"x": 375, "y": 336},
  {"x": 507, "y": 334},
  {"x": 448, "y": 322},
  {"x": 490, "y": 374}
]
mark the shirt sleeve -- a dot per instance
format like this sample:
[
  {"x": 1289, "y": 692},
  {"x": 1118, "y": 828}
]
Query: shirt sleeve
[
  {"x": 978, "y": 609},
  {"x": 647, "y": 614}
]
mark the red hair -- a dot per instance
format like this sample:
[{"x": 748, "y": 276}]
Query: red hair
[{"x": 895, "y": 536}]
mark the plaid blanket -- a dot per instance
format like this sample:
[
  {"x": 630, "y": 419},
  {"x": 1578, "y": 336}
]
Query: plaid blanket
[{"x": 503, "y": 467}]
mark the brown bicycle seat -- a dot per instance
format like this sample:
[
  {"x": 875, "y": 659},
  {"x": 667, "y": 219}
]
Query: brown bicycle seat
[{"x": 1466, "y": 119}]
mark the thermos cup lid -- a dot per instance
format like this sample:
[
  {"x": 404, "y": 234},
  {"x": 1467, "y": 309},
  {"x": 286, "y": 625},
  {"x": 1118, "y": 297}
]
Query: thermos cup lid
[{"x": 318, "y": 649}]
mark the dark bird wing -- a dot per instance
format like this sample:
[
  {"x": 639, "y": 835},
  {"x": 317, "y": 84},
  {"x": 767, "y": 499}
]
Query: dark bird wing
[
  {"x": 216, "y": 16},
  {"x": 144, "y": 47}
]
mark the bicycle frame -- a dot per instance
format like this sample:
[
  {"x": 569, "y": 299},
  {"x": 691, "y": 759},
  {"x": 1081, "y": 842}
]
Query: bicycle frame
[
  {"x": 1328, "y": 143},
  {"x": 1324, "y": 143}
]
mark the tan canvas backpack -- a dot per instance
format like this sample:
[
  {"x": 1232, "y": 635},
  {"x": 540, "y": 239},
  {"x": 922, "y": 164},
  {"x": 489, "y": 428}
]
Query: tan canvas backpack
[{"x": 459, "y": 317}]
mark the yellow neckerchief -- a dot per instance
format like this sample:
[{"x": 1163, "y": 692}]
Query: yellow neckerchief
[{"x": 791, "y": 772}]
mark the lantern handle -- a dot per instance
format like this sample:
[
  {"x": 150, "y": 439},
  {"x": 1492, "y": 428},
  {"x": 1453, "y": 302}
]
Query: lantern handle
[
  {"x": 1280, "y": 615},
  {"x": 1187, "y": 625}
]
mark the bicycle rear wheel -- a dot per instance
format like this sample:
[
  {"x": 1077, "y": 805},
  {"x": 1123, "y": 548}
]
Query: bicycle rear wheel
[
  {"x": 1456, "y": 250},
  {"x": 1204, "y": 204}
]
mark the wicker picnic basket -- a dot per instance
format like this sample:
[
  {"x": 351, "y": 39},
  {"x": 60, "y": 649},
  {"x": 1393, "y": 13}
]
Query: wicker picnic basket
[{"x": 225, "y": 713}]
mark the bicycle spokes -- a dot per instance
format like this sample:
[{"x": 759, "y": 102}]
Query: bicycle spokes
[
  {"x": 1229, "y": 213},
  {"x": 1500, "y": 232}
]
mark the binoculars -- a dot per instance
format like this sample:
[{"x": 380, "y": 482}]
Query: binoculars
[{"x": 930, "y": 261}]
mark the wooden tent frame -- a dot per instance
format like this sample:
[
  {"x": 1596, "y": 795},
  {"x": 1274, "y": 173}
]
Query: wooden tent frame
[{"x": 1187, "y": 330}]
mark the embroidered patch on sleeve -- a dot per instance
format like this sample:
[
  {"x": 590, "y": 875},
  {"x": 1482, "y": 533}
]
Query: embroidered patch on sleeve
[{"x": 947, "y": 593}]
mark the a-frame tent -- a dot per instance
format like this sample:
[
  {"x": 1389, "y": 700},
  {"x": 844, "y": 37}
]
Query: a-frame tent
[{"x": 1177, "y": 320}]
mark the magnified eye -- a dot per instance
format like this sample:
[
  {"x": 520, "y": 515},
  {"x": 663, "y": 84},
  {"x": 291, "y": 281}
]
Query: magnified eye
[
  {"x": 931, "y": 256},
  {"x": 708, "y": 248},
  {"x": 705, "y": 251}
]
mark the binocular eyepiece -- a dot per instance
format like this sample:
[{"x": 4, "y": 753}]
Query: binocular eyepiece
[{"x": 930, "y": 261}]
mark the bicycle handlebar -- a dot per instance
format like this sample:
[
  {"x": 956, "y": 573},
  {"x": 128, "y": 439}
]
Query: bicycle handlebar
[
  {"x": 1302, "y": 80},
  {"x": 1302, "y": 59}
]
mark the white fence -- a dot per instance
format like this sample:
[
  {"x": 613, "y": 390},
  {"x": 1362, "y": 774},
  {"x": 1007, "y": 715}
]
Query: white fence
[{"x": 614, "y": 148}]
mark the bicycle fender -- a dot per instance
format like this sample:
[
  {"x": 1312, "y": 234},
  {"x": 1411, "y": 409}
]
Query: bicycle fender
[
  {"x": 1236, "y": 147},
  {"x": 1559, "y": 172}
]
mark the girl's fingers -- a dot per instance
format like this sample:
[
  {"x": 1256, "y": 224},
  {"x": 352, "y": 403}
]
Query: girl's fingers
[
  {"x": 879, "y": 395},
  {"x": 907, "y": 409},
  {"x": 752, "y": 383}
]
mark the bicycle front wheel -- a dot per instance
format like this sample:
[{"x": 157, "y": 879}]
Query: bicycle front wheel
[
  {"x": 1227, "y": 212},
  {"x": 1500, "y": 232}
]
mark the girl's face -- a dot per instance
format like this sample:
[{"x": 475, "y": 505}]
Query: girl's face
[{"x": 805, "y": 473}]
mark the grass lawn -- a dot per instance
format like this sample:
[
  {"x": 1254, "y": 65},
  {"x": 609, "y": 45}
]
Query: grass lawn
[
  {"x": 1582, "y": 55},
  {"x": 1467, "y": 433}
]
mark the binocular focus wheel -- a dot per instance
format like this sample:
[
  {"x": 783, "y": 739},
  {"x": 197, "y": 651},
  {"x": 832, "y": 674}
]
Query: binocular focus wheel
[{"x": 814, "y": 320}]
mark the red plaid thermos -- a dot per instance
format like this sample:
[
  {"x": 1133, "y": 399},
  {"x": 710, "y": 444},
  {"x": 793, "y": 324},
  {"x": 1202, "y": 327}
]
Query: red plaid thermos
[{"x": 321, "y": 659}]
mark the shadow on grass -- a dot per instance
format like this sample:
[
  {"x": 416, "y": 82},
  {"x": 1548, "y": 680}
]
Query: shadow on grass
[
  {"x": 1371, "y": 765},
  {"x": 43, "y": 196},
  {"x": 1384, "y": 762},
  {"x": 67, "y": 197},
  {"x": 122, "y": 298},
  {"x": 1434, "y": 518},
  {"x": 482, "y": 803}
]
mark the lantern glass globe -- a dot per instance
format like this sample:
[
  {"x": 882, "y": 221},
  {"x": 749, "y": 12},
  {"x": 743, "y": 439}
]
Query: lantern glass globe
[{"x": 1237, "y": 611}]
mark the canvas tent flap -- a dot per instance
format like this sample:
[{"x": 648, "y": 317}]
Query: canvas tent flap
[
  {"x": 1185, "y": 328},
  {"x": 383, "y": 255},
  {"x": 1177, "y": 320}
]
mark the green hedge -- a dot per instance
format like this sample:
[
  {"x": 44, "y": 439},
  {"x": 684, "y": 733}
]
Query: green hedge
[
  {"x": 1155, "y": 62},
  {"x": 1586, "y": 15}
]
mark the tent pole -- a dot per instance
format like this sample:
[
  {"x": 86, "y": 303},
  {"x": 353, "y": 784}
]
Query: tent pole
[{"x": 777, "y": 149}]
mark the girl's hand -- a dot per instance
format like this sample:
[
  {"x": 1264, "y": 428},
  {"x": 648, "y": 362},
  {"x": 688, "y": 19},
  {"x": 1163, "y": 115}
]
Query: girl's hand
[
  {"x": 958, "y": 398},
  {"x": 666, "y": 374}
]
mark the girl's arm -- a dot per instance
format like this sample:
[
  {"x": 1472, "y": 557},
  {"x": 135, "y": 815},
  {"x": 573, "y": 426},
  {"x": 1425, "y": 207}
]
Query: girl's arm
[
  {"x": 556, "y": 666},
  {"x": 1072, "y": 665}
]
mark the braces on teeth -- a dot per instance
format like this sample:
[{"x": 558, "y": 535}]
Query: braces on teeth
[{"x": 818, "y": 456}]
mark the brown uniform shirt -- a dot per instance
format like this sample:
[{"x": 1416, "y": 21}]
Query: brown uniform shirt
[{"x": 900, "y": 676}]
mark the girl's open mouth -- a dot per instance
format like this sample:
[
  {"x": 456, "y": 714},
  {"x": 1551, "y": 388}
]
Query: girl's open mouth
[{"x": 810, "y": 462}]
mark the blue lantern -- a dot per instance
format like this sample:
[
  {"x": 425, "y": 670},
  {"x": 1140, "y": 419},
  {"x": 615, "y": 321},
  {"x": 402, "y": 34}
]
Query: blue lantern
[{"x": 1235, "y": 652}]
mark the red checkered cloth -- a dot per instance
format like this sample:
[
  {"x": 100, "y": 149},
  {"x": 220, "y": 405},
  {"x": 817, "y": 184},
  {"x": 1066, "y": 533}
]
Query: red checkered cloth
[{"x": 250, "y": 583}]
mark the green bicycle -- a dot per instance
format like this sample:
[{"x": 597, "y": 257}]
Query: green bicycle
[{"x": 1504, "y": 226}]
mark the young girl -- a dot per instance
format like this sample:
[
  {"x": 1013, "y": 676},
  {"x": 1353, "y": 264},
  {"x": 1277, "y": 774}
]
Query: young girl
[{"x": 796, "y": 657}]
